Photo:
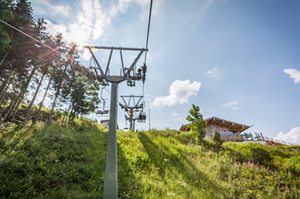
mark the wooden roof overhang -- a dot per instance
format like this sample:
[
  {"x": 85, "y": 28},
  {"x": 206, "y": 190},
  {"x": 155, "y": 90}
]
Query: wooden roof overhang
[{"x": 231, "y": 126}]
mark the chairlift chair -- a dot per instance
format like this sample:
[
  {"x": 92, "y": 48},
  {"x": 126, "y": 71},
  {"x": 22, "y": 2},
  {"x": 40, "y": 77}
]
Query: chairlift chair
[
  {"x": 102, "y": 112},
  {"x": 142, "y": 117}
]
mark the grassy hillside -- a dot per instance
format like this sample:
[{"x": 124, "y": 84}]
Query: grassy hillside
[{"x": 68, "y": 162}]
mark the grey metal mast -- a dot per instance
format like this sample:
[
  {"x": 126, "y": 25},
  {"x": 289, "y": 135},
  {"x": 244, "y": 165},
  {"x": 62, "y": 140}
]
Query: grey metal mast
[{"x": 110, "y": 190}]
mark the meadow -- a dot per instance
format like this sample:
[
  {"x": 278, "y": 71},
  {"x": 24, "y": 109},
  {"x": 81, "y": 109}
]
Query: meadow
[{"x": 68, "y": 161}]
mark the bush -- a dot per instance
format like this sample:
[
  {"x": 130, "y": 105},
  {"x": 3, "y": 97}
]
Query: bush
[
  {"x": 217, "y": 140},
  {"x": 261, "y": 155}
]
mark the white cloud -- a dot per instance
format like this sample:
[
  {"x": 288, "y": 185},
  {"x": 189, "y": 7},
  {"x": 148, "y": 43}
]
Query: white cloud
[
  {"x": 292, "y": 136},
  {"x": 102, "y": 20},
  {"x": 60, "y": 9},
  {"x": 174, "y": 114},
  {"x": 53, "y": 29},
  {"x": 91, "y": 23},
  {"x": 232, "y": 105},
  {"x": 85, "y": 54},
  {"x": 55, "y": 10},
  {"x": 293, "y": 74},
  {"x": 213, "y": 73},
  {"x": 180, "y": 91}
]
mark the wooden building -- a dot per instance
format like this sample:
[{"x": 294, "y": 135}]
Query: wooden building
[{"x": 230, "y": 131}]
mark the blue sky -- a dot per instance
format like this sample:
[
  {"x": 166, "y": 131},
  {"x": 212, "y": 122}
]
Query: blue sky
[{"x": 236, "y": 59}]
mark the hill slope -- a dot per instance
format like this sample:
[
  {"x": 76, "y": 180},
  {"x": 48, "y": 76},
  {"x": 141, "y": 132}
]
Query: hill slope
[{"x": 68, "y": 162}]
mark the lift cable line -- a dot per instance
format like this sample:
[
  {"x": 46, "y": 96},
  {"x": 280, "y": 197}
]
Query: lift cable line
[
  {"x": 110, "y": 189},
  {"x": 148, "y": 30},
  {"x": 144, "y": 68},
  {"x": 52, "y": 49}
]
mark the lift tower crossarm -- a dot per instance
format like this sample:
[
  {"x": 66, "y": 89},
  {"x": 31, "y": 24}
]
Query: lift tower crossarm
[
  {"x": 116, "y": 48},
  {"x": 102, "y": 74},
  {"x": 133, "y": 64},
  {"x": 115, "y": 78}
]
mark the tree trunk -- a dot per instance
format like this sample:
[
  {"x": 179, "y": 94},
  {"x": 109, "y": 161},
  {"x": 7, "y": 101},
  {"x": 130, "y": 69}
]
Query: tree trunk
[
  {"x": 3, "y": 108},
  {"x": 9, "y": 110},
  {"x": 39, "y": 111},
  {"x": 33, "y": 99},
  {"x": 66, "y": 119},
  {"x": 56, "y": 95},
  {"x": 23, "y": 92},
  {"x": 5, "y": 86}
]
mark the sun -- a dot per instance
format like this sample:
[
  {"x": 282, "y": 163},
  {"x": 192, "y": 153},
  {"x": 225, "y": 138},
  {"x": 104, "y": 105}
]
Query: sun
[{"x": 78, "y": 34}]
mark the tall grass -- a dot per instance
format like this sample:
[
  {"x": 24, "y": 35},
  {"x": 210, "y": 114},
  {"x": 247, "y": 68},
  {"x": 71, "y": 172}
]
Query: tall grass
[{"x": 68, "y": 162}]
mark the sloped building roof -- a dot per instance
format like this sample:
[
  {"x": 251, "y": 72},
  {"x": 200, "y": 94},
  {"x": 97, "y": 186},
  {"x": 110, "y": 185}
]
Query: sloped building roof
[{"x": 231, "y": 126}]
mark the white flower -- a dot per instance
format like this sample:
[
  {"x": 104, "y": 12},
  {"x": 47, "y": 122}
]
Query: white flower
[{"x": 171, "y": 194}]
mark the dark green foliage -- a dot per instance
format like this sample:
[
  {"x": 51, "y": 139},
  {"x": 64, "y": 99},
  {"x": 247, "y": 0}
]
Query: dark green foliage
[
  {"x": 29, "y": 63},
  {"x": 197, "y": 123},
  {"x": 7, "y": 16},
  {"x": 217, "y": 140},
  {"x": 260, "y": 155},
  {"x": 51, "y": 162}
]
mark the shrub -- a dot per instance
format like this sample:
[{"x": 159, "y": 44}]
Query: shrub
[{"x": 217, "y": 140}]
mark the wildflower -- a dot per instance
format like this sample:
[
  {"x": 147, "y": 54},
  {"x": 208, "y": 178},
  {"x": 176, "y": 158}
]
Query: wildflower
[
  {"x": 171, "y": 194},
  {"x": 229, "y": 176}
]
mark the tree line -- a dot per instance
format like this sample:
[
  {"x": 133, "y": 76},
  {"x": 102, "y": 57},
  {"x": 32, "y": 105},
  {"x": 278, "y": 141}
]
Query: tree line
[{"x": 29, "y": 67}]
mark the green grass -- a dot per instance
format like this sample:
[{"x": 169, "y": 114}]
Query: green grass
[{"x": 51, "y": 161}]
